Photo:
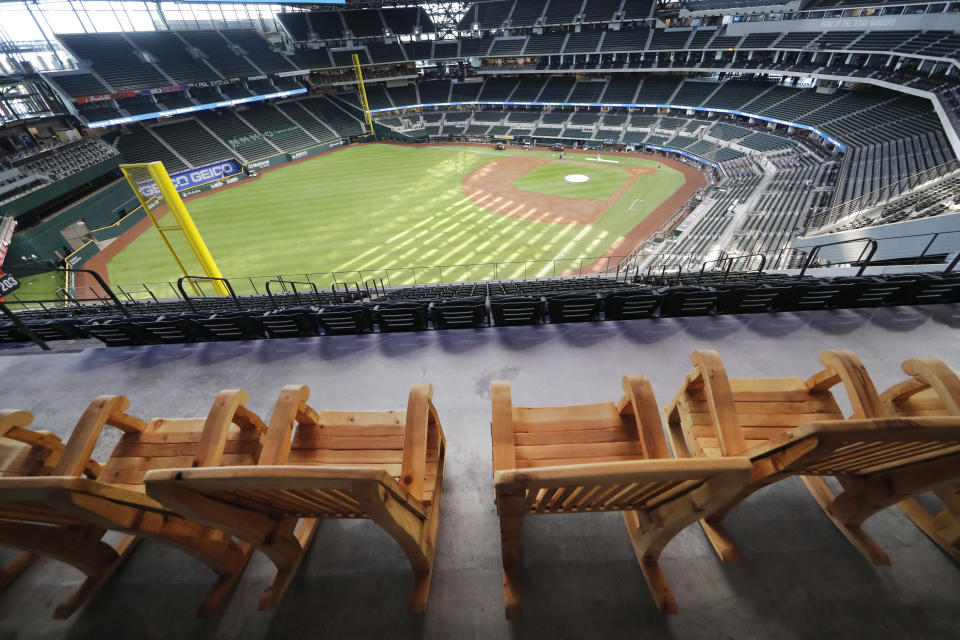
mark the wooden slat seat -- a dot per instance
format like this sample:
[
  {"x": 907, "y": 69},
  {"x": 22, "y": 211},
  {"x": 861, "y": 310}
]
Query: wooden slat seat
[
  {"x": 386, "y": 466},
  {"x": 932, "y": 389},
  {"x": 113, "y": 498},
  {"x": 790, "y": 427},
  {"x": 596, "y": 458},
  {"x": 28, "y": 453}
]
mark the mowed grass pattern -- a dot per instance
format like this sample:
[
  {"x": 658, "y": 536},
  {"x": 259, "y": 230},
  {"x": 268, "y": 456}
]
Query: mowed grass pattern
[
  {"x": 371, "y": 208},
  {"x": 601, "y": 184}
]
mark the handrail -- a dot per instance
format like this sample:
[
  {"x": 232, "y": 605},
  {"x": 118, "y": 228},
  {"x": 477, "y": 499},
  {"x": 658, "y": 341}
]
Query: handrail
[
  {"x": 186, "y": 298},
  {"x": 96, "y": 276},
  {"x": 293, "y": 285},
  {"x": 871, "y": 243}
]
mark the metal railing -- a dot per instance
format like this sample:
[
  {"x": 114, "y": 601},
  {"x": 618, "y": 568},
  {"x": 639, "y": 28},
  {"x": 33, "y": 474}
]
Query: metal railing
[{"x": 829, "y": 216}]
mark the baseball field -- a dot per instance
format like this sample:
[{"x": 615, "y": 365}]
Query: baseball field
[{"x": 379, "y": 209}]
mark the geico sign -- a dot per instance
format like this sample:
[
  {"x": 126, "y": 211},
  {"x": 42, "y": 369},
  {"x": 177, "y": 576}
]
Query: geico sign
[{"x": 206, "y": 174}]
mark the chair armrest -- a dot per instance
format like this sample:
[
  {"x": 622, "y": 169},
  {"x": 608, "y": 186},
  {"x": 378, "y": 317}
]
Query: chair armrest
[
  {"x": 622, "y": 473},
  {"x": 103, "y": 410},
  {"x": 420, "y": 415},
  {"x": 844, "y": 366},
  {"x": 716, "y": 387},
  {"x": 501, "y": 426},
  {"x": 291, "y": 407},
  {"x": 934, "y": 373},
  {"x": 228, "y": 408},
  {"x": 638, "y": 397}
]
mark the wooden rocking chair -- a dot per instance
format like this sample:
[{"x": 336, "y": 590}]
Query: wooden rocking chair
[
  {"x": 24, "y": 452},
  {"x": 596, "y": 458},
  {"x": 789, "y": 426},
  {"x": 64, "y": 515},
  {"x": 386, "y": 466},
  {"x": 932, "y": 390}
]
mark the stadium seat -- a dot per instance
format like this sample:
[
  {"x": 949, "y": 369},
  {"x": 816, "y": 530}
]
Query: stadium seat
[
  {"x": 810, "y": 295},
  {"x": 121, "y": 332},
  {"x": 743, "y": 297},
  {"x": 630, "y": 471},
  {"x": 176, "y": 328},
  {"x": 687, "y": 301},
  {"x": 574, "y": 307},
  {"x": 791, "y": 427},
  {"x": 459, "y": 313},
  {"x": 510, "y": 311},
  {"x": 631, "y": 304},
  {"x": 10, "y": 333},
  {"x": 345, "y": 320},
  {"x": 64, "y": 515},
  {"x": 291, "y": 322},
  {"x": 866, "y": 291},
  {"x": 234, "y": 325},
  {"x": 401, "y": 316},
  {"x": 393, "y": 476}
]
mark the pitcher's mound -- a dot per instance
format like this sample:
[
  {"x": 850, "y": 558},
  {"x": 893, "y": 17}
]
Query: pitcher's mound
[{"x": 576, "y": 177}]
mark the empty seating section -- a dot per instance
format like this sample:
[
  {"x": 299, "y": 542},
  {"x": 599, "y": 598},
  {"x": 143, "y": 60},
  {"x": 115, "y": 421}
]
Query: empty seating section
[
  {"x": 384, "y": 53},
  {"x": 668, "y": 39},
  {"x": 76, "y": 85},
  {"x": 527, "y": 12},
  {"x": 258, "y": 51},
  {"x": 546, "y": 43},
  {"x": 691, "y": 93},
  {"x": 583, "y": 42},
  {"x": 620, "y": 91},
  {"x": 600, "y": 10},
  {"x": 296, "y": 24},
  {"x": 363, "y": 23},
  {"x": 327, "y": 25},
  {"x": 733, "y": 94},
  {"x": 556, "y": 89},
  {"x": 562, "y": 11},
  {"x": 344, "y": 58},
  {"x": 115, "y": 59},
  {"x": 246, "y": 142},
  {"x": 528, "y": 89},
  {"x": 637, "y": 9},
  {"x": 625, "y": 40},
  {"x": 657, "y": 89},
  {"x": 137, "y": 144},
  {"x": 725, "y": 131},
  {"x": 193, "y": 142},
  {"x": 434, "y": 91},
  {"x": 218, "y": 53},
  {"x": 170, "y": 52},
  {"x": 445, "y": 49},
  {"x": 336, "y": 118},
  {"x": 587, "y": 92},
  {"x": 476, "y": 47},
  {"x": 764, "y": 142}
]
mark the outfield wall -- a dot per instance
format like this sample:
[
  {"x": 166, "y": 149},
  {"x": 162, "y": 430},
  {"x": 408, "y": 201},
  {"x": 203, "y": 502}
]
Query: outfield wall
[{"x": 101, "y": 213}]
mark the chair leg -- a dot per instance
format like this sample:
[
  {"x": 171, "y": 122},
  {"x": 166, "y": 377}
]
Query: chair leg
[
  {"x": 93, "y": 582},
  {"x": 304, "y": 534},
  {"x": 943, "y": 528},
  {"x": 417, "y": 603},
  {"x": 866, "y": 545},
  {"x": 512, "y": 511},
  {"x": 15, "y": 567},
  {"x": 713, "y": 528},
  {"x": 81, "y": 548},
  {"x": 647, "y": 555}
]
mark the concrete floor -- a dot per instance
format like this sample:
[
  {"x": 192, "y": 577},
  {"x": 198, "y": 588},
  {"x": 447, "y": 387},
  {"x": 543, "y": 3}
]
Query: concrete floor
[{"x": 798, "y": 577}]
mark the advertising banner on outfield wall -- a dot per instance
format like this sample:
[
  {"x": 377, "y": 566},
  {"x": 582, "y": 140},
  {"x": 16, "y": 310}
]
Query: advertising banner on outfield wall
[{"x": 192, "y": 178}]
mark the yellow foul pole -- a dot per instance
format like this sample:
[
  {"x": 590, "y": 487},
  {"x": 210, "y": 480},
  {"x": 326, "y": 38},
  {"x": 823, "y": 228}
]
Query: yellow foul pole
[{"x": 363, "y": 94}]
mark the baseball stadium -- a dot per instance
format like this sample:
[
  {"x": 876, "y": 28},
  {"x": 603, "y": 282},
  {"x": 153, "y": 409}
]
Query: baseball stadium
[{"x": 635, "y": 257}]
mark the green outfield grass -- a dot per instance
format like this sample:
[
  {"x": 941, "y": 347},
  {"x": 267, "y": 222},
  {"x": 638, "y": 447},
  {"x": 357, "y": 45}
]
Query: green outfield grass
[
  {"x": 374, "y": 207},
  {"x": 40, "y": 286},
  {"x": 551, "y": 179}
]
